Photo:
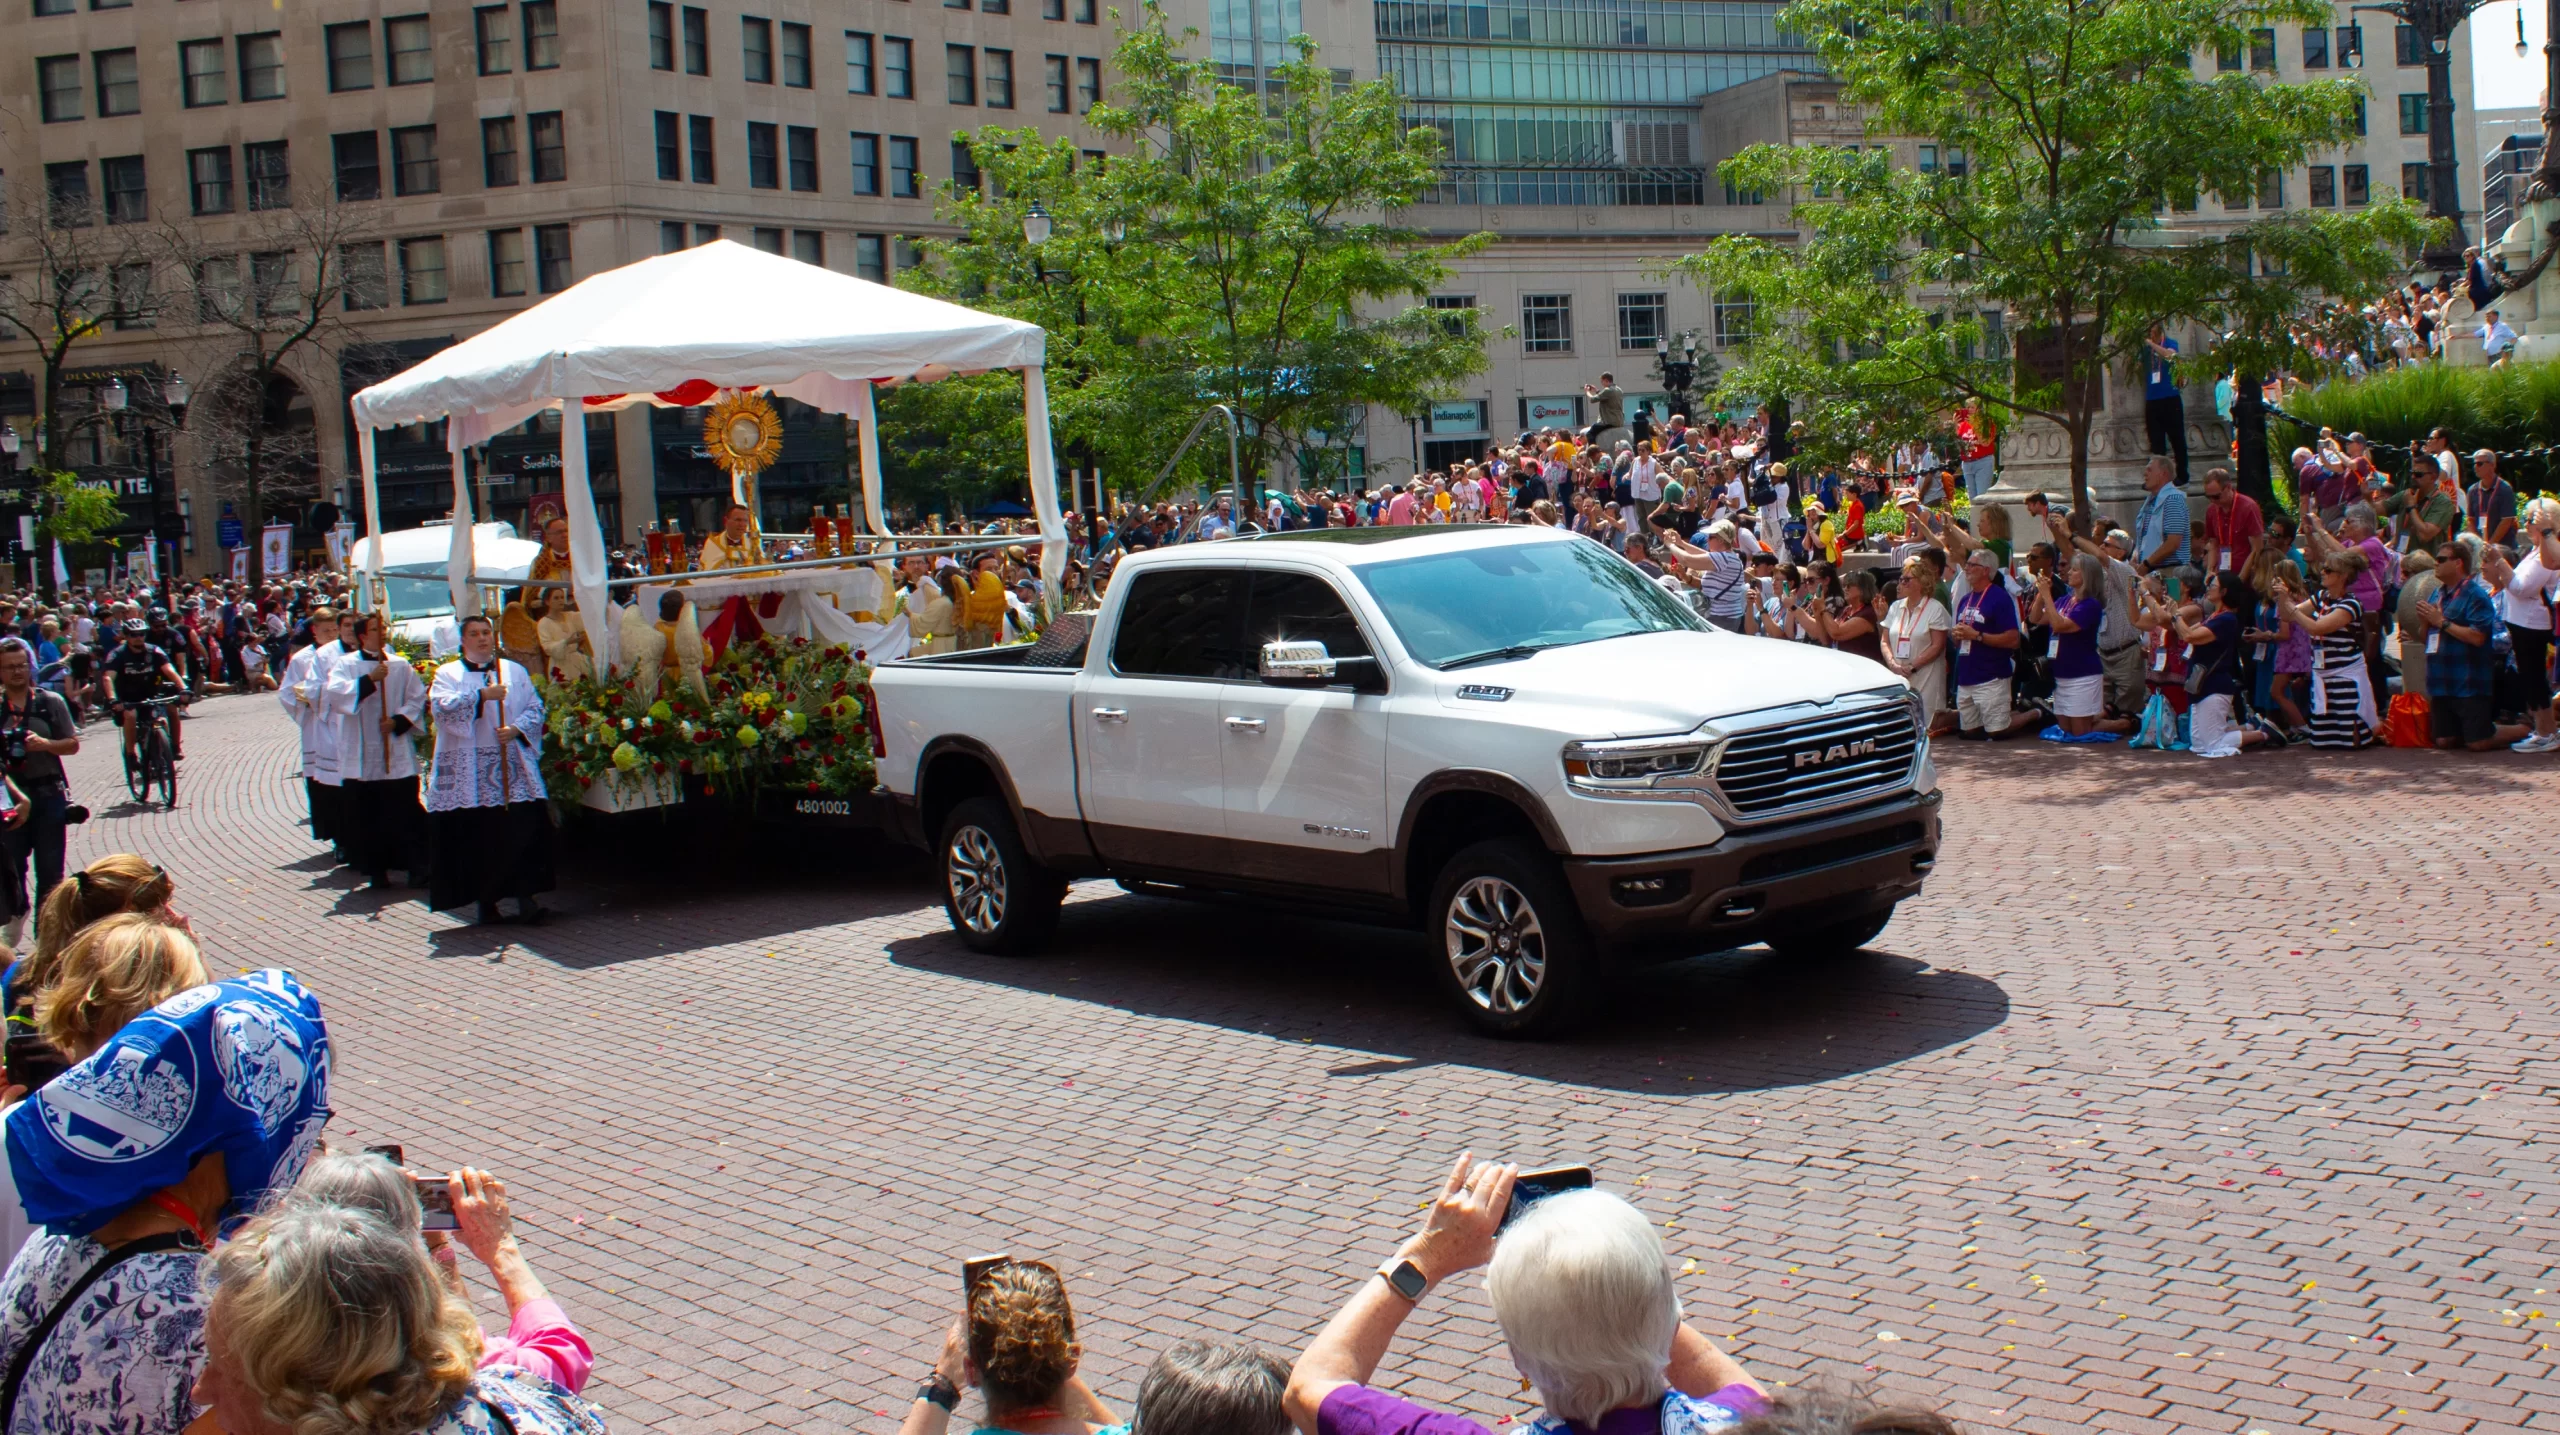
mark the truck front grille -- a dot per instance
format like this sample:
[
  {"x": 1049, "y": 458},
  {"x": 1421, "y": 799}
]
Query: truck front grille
[{"x": 1819, "y": 762}]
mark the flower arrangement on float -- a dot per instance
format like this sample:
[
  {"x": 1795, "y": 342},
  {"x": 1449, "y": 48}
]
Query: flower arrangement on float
[{"x": 781, "y": 713}]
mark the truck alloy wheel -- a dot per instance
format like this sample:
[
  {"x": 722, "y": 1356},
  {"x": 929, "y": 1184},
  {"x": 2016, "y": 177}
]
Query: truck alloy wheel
[
  {"x": 1513, "y": 952},
  {"x": 998, "y": 898}
]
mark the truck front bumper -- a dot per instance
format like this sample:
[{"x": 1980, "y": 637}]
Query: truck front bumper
[{"x": 1735, "y": 892}]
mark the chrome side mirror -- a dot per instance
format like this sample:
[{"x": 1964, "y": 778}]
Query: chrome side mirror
[{"x": 1296, "y": 661}]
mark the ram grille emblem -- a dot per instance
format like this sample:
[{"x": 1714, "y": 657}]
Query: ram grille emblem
[{"x": 1838, "y": 751}]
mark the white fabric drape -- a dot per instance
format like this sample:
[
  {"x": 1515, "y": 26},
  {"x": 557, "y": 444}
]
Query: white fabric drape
[
  {"x": 372, "y": 501},
  {"x": 586, "y": 536},
  {"x": 457, "y": 570},
  {"x": 1044, "y": 483},
  {"x": 866, "y": 414}
]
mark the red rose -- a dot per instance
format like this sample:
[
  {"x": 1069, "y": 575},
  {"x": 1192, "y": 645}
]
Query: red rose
[{"x": 813, "y": 787}]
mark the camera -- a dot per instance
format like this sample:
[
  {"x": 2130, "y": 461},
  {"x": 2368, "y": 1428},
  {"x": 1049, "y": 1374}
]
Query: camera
[{"x": 13, "y": 744}]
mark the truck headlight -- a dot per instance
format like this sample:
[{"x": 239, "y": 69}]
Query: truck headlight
[{"x": 1637, "y": 765}]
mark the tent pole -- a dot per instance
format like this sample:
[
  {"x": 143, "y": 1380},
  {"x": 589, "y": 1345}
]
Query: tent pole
[
  {"x": 586, "y": 535},
  {"x": 458, "y": 564},
  {"x": 1044, "y": 486},
  {"x": 866, "y": 413},
  {"x": 372, "y": 497}
]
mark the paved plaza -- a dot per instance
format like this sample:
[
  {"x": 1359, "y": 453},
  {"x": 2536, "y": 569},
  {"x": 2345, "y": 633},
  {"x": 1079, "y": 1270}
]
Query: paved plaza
[{"x": 2193, "y": 1096}]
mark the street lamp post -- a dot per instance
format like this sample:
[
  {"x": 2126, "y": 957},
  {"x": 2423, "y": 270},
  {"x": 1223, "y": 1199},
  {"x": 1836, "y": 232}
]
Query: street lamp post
[
  {"x": 1676, "y": 362},
  {"x": 2435, "y": 21}
]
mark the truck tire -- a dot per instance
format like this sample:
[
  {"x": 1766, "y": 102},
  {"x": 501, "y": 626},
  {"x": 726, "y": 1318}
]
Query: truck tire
[
  {"x": 999, "y": 900},
  {"x": 1830, "y": 942},
  {"x": 1508, "y": 942}
]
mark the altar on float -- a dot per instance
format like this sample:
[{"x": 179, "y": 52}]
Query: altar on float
[{"x": 722, "y": 322}]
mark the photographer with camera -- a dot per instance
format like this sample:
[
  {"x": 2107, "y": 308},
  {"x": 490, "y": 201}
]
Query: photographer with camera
[{"x": 37, "y": 732}]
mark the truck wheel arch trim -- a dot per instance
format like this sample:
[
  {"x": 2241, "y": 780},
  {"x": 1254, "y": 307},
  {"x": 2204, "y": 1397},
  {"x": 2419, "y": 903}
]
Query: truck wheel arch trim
[{"x": 1485, "y": 782}]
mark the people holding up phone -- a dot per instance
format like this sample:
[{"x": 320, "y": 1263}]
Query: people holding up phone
[
  {"x": 1015, "y": 1343},
  {"x": 1586, "y": 1300}
]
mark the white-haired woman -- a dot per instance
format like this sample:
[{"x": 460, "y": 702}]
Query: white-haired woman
[
  {"x": 325, "y": 1320},
  {"x": 2525, "y": 590},
  {"x": 1585, "y": 1299}
]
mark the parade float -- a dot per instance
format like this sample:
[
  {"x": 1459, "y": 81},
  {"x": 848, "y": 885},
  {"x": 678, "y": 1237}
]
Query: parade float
[{"x": 728, "y": 671}]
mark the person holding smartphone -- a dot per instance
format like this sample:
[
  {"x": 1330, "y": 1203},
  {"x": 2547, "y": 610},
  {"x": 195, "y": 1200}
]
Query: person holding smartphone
[
  {"x": 37, "y": 732},
  {"x": 1015, "y": 1343}
]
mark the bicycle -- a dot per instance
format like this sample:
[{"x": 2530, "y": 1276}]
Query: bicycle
[{"x": 151, "y": 761}]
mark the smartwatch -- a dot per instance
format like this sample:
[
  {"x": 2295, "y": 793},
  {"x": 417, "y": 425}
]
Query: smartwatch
[
  {"x": 1405, "y": 1279},
  {"x": 939, "y": 1391}
]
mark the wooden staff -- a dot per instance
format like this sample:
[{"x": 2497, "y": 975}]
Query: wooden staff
[{"x": 506, "y": 778}]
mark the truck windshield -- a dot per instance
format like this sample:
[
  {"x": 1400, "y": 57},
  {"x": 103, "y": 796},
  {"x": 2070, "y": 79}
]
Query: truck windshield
[
  {"x": 1453, "y": 607},
  {"x": 417, "y": 598}
]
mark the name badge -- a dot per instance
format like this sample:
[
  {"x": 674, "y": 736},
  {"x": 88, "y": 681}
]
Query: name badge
[
  {"x": 2053, "y": 647},
  {"x": 2160, "y": 660},
  {"x": 2262, "y": 652},
  {"x": 1965, "y": 648},
  {"x": 2226, "y": 560},
  {"x": 2434, "y": 636}
]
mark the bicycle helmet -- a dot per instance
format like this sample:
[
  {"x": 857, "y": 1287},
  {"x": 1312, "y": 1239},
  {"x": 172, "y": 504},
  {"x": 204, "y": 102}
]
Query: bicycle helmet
[{"x": 134, "y": 628}]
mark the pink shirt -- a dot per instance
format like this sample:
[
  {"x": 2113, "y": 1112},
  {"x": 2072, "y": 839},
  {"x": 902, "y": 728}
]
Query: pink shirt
[
  {"x": 541, "y": 1341},
  {"x": 1400, "y": 509},
  {"x": 2380, "y": 562}
]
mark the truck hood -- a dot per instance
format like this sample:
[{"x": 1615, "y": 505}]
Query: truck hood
[{"x": 1652, "y": 684}]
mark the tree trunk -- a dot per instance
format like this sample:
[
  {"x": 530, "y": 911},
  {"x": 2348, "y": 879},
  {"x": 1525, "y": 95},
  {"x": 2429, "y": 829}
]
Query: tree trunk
[
  {"x": 253, "y": 530},
  {"x": 2249, "y": 432},
  {"x": 2082, "y": 509}
]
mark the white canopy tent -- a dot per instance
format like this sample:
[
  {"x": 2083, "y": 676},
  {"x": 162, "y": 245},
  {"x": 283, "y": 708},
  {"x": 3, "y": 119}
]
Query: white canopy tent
[{"x": 669, "y": 331}]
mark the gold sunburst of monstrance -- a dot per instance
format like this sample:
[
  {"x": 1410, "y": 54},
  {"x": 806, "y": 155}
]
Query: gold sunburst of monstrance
[{"x": 744, "y": 436}]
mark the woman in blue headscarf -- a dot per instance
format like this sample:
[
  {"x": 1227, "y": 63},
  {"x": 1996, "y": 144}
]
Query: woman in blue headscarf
[{"x": 189, "y": 1101}]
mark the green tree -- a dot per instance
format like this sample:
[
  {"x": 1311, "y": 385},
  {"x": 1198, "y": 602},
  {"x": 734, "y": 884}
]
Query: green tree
[
  {"x": 2086, "y": 129},
  {"x": 1233, "y": 248}
]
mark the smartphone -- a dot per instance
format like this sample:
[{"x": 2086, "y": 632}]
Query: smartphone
[
  {"x": 974, "y": 1270},
  {"x": 1531, "y": 1187},
  {"x": 435, "y": 1196}
]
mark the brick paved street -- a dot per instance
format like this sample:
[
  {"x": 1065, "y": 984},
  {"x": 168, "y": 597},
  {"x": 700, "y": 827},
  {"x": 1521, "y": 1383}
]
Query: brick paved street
[{"x": 2194, "y": 1096}]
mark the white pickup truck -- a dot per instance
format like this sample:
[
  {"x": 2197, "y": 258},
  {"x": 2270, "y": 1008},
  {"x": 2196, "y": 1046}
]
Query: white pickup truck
[{"x": 1506, "y": 736}]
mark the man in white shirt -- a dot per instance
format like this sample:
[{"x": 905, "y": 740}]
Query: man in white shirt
[{"x": 2496, "y": 339}]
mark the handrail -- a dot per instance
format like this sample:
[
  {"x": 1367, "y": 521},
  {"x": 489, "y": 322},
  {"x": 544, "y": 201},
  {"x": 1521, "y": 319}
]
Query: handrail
[{"x": 1235, "y": 463}]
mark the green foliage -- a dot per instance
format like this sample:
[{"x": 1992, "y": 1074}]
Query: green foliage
[
  {"x": 1244, "y": 250},
  {"x": 2510, "y": 409},
  {"x": 2085, "y": 126},
  {"x": 954, "y": 444},
  {"x": 780, "y": 713},
  {"x": 70, "y": 511}
]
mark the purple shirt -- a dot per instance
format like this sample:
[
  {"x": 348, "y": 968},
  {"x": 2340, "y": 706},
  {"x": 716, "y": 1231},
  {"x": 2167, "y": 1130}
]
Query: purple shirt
[
  {"x": 1990, "y": 611},
  {"x": 2379, "y": 560},
  {"x": 1360, "y": 1410},
  {"x": 2078, "y": 656}
]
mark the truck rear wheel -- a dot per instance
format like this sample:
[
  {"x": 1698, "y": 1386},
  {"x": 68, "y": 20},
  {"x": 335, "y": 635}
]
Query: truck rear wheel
[
  {"x": 999, "y": 900},
  {"x": 1510, "y": 944},
  {"x": 1837, "y": 939}
]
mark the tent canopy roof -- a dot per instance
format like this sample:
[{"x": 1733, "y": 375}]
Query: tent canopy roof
[{"x": 721, "y": 312}]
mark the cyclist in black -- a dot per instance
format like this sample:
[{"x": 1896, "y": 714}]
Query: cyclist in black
[{"x": 135, "y": 670}]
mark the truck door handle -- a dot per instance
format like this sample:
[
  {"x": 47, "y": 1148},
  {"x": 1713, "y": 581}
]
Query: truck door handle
[
  {"x": 1110, "y": 714},
  {"x": 1245, "y": 724}
]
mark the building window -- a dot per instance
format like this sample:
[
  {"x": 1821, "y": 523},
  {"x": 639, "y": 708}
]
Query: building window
[
  {"x": 2350, "y": 45},
  {"x": 66, "y": 192},
  {"x": 955, "y": 4},
  {"x": 422, "y": 270},
  {"x": 1753, "y": 196},
  {"x": 999, "y": 79},
  {"x": 858, "y": 77},
  {"x": 2413, "y": 182},
  {"x": 271, "y": 282},
  {"x": 58, "y": 82},
  {"x": 2324, "y": 186},
  {"x": 1643, "y": 318},
  {"x": 757, "y": 49},
  {"x": 209, "y": 180},
  {"x": 2262, "y": 49},
  {"x": 904, "y": 182},
  {"x": 866, "y": 163},
  {"x": 809, "y": 247},
  {"x": 705, "y": 234},
  {"x": 2271, "y": 189},
  {"x": 1088, "y": 85},
  {"x": 670, "y": 236},
  {"x": 662, "y": 35},
  {"x": 964, "y": 168},
  {"x": 119, "y": 83},
  {"x": 1057, "y": 77},
  {"x": 495, "y": 42},
  {"x": 1733, "y": 324},
  {"x": 2360, "y": 114},
  {"x": 960, "y": 74},
  {"x": 1546, "y": 323},
  {"x": 218, "y": 291},
  {"x": 795, "y": 56},
  {"x": 270, "y": 175},
  {"x": 202, "y": 81},
  {"x": 551, "y": 268},
  {"x": 995, "y": 7},
  {"x": 697, "y": 41},
  {"x": 698, "y": 135},
  {"x": 871, "y": 257},
  {"x": 670, "y": 146},
  {"x": 55, "y": 7},
  {"x": 1456, "y": 307},
  {"x": 410, "y": 50},
  {"x": 2315, "y": 47},
  {"x": 764, "y": 168},
  {"x": 2356, "y": 181},
  {"x": 363, "y": 281},
  {"x": 1086, "y": 14},
  {"x": 2413, "y": 114},
  {"x": 910, "y": 252},
  {"x": 899, "y": 59},
  {"x": 413, "y": 160},
  {"x": 357, "y": 158},
  {"x": 262, "y": 67},
  {"x": 800, "y": 151},
  {"x": 128, "y": 199},
  {"x": 768, "y": 240},
  {"x": 350, "y": 56},
  {"x": 2242, "y": 200},
  {"x": 506, "y": 262},
  {"x": 131, "y": 296},
  {"x": 2406, "y": 47},
  {"x": 541, "y": 35},
  {"x": 498, "y": 151},
  {"x": 549, "y": 130},
  {"x": 2227, "y": 58},
  {"x": 1053, "y": 9}
]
